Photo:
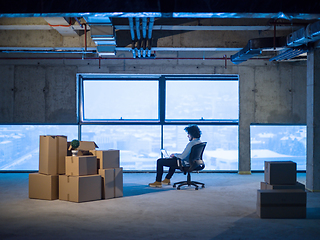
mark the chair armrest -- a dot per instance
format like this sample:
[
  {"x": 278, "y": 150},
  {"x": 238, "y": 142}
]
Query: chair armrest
[{"x": 182, "y": 169}]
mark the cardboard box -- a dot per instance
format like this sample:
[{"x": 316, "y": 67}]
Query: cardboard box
[
  {"x": 108, "y": 184},
  {"x": 42, "y": 186},
  {"x": 280, "y": 172},
  {"x": 281, "y": 197},
  {"x": 266, "y": 186},
  {"x": 79, "y": 188},
  {"x": 81, "y": 165},
  {"x": 118, "y": 182},
  {"x": 52, "y": 153},
  {"x": 107, "y": 158},
  {"x": 112, "y": 182},
  {"x": 281, "y": 203},
  {"x": 281, "y": 211}
]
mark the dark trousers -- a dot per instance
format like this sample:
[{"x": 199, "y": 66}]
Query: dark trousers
[{"x": 166, "y": 162}]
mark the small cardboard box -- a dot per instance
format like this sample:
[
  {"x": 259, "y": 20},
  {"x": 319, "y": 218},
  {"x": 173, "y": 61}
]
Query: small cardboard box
[
  {"x": 112, "y": 182},
  {"x": 52, "y": 153},
  {"x": 280, "y": 172},
  {"x": 81, "y": 165},
  {"x": 79, "y": 188},
  {"x": 107, "y": 158},
  {"x": 266, "y": 186},
  {"x": 108, "y": 184},
  {"x": 42, "y": 186}
]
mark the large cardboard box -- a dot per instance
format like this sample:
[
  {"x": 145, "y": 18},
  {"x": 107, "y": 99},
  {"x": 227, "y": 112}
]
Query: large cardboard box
[
  {"x": 283, "y": 212},
  {"x": 280, "y": 172},
  {"x": 281, "y": 197},
  {"x": 112, "y": 182},
  {"x": 42, "y": 186},
  {"x": 79, "y": 188},
  {"x": 81, "y": 165},
  {"x": 108, "y": 188},
  {"x": 52, "y": 153},
  {"x": 107, "y": 158},
  {"x": 281, "y": 203},
  {"x": 266, "y": 186}
]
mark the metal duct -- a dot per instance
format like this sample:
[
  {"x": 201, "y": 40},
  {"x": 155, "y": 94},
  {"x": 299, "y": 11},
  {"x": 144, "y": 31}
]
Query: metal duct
[
  {"x": 297, "y": 38},
  {"x": 254, "y": 47},
  {"x": 288, "y": 54},
  {"x": 295, "y": 41},
  {"x": 103, "y": 34},
  {"x": 311, "y": 33}
]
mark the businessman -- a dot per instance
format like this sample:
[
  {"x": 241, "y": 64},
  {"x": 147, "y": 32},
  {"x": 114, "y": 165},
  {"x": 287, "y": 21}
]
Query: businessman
[{"x": 194, "y": 135}]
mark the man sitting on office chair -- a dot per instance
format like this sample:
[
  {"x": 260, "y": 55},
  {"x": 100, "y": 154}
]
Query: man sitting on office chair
[{"x": 194, "y": 135}]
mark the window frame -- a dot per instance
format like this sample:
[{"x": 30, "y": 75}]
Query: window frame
[{"x": 161, "y": 97}]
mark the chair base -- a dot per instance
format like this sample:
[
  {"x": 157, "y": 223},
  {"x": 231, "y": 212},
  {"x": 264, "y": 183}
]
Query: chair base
[{"x": 189, "y": 183}]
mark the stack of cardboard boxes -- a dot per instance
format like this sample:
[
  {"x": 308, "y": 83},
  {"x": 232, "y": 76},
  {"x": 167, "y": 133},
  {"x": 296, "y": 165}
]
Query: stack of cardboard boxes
[
  {"x": 91, "y": 175},
  {"x": 281, "y": 196},
  {"x": 111, "y": 173}
]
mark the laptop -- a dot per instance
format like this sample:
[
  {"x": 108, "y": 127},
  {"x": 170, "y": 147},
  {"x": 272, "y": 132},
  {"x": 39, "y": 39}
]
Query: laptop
[{"x": 164, "y": 153}]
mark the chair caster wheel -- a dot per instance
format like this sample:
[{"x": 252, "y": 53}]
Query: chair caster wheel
[
  {"x": 196, "y": 188},
  {"x": 178, "y": 188},
  {"x": 203, "y": 186}
]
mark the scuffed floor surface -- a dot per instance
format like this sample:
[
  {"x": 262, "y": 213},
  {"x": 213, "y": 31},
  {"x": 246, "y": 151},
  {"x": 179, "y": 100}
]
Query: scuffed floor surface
[{"x": 224, "y": 209}]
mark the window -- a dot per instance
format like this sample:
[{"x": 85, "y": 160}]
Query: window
[
  {"x": 139, "y": 145},
  {"x": 139, "y": 114},
  {"x": 120, "y": 100},
  {"x": 19, "y": 144},
  {"x": 202, "y": 100},
  {"x": 221, "y": 152},
  {"x": 278, "y": 143}
]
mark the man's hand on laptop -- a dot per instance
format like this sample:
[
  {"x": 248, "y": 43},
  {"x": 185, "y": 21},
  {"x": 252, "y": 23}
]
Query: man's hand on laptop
[{"x": 172, "y": 155}]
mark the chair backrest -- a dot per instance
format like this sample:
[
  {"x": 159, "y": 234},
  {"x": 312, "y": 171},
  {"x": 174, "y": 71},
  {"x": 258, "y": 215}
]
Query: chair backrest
[{"x": 195, "y": 158}]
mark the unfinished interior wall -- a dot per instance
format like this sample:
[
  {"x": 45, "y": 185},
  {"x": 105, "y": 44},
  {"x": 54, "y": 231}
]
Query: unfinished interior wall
[{"x": 44, "y": 90}]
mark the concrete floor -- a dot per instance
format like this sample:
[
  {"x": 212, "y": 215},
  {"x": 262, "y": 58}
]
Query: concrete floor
[{"x": 225, "y": 209}]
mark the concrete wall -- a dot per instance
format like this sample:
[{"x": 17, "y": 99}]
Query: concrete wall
[
  {"x": 44, "y": 91},
  {"x": 36, "y": 93}
]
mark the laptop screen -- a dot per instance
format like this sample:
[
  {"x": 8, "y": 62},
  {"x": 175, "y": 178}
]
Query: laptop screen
[{"x": 164, "y": 153}]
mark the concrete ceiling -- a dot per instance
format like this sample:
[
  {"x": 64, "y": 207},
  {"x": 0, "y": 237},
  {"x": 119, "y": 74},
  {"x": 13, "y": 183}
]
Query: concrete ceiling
[{"x": 202, "y": 33}]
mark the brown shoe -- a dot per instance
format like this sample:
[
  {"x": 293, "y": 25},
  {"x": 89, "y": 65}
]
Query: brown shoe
[
  {"x": 166, "y": 181},
  {"x": 155, "y": 184}
]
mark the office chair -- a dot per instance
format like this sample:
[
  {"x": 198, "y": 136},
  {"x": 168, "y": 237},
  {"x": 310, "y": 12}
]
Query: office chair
[{"x": 196, "y": 164}]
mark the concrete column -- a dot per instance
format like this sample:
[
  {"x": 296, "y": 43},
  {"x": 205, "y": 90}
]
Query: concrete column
[
  {"x": 313, "y": 120},
  {"x": 246, "y": 116}
]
